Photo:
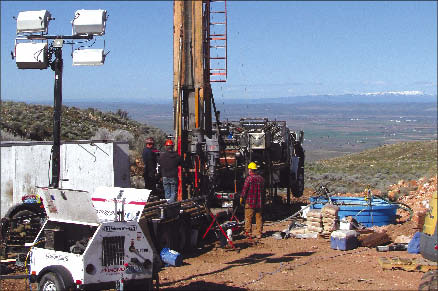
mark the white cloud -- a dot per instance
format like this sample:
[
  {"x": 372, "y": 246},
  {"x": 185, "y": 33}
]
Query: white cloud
[{"x": 410, "y": 93}]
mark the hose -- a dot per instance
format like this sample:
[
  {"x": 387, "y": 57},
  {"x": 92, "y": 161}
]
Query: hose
[
  {"x": 289, "y": 217},
  {"x": 402, "y": 206}
]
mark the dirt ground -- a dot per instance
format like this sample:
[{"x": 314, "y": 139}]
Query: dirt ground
[{"x": 286, "y": 264}]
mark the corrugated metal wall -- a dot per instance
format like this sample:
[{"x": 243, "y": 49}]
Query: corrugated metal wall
[{"x": 84, "y": 166}]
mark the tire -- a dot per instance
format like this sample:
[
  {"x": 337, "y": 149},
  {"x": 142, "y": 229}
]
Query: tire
[
  {"x": 51, "y": 282},
  {"x": 4, "y": 227},
  {"x": 22, "y": 213}
]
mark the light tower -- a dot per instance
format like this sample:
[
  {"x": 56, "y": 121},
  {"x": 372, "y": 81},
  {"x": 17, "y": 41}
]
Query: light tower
[{"x": 36, "y": 49}]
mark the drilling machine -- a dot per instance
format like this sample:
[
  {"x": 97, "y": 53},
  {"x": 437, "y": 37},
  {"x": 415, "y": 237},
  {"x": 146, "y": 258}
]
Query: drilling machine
[
  {"x": 200, "y": 58},
  {"x": 196, "y": 141}
]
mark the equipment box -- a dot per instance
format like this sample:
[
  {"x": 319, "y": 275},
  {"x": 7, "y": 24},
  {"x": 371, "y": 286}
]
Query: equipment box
[{"x": 343, "y": 240}]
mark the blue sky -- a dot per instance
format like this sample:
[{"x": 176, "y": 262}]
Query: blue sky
[{"x": 275, "y": 49}]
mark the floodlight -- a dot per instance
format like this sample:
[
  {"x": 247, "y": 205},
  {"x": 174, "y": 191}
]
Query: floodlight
[
  {"x": 33, "y": 21},
  {"x": 88, "y": 57},
  {"x": 89, "y": 22},
  {"x": 30, "y": 55}
]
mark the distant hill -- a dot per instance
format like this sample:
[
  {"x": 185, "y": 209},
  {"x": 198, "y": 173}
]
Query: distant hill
[
  {"x": 35, "y": 122},
  {"x": 330, "y": 129},
  {"x": 368, "y": 98},
  {"x": 363, "y": 98},
  {"x": 378, "y": 167}
]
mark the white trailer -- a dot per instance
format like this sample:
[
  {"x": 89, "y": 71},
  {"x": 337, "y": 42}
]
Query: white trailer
[{"x": 94, "y": 241}]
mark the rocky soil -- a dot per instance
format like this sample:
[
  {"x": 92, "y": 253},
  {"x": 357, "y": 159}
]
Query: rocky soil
[{"x": 296, "y": 264}]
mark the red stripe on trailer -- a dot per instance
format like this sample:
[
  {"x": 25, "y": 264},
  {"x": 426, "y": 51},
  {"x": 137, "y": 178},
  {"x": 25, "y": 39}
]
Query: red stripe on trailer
[
  {"x": 98, "y": 199},
  {"x": 137, "y": 203},
  {"x": 131, "y": 202}
]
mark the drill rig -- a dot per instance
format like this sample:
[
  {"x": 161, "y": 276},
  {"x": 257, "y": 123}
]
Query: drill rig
[
  {"x": 216, "y": 154},
  {"x": 196, "y": 141}
]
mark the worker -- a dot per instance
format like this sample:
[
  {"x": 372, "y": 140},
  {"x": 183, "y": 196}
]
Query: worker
[
  {"x": 150, "y": 165},
  {"x": 169, "y": 162},
  {"x": 253, "y": 194}
]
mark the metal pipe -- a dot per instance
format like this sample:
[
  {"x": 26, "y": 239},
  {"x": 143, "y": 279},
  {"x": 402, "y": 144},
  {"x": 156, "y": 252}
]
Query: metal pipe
[
  {"x": 115, "y": 209},
  {"x": 123, "y": 210},
  {"x": 57, "y": 109}
]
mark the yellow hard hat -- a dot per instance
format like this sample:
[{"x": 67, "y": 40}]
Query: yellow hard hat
[{"x": 252, "y": 166}]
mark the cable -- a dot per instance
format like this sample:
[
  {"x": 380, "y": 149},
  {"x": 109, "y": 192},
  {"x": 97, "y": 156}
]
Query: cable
[
  {"x": 37, "y": 54},
  {"x": 293, "y": 215},
  {"x": 404, "y": 207}
]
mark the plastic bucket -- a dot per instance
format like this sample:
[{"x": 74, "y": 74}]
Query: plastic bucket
[{"x": 171, "y": 257}]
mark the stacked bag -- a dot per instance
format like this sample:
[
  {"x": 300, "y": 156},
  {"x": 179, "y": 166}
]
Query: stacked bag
[
  {"x": 314, "y": 220},
  {"x": 329, "y": 214}
]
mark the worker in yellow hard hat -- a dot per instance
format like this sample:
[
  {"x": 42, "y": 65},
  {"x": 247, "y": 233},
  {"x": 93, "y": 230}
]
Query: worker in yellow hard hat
[
  {"x": 252, "y": 166},
  {"x": 253, "y": 194}
]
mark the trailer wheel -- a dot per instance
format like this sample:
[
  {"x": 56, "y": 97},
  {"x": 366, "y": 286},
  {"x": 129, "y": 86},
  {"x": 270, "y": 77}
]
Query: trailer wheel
[{"x": 51, "y": 282}]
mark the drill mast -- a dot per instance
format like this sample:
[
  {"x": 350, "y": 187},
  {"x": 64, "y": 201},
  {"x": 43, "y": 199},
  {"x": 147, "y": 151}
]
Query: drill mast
[{"x": 192, "y": 93}]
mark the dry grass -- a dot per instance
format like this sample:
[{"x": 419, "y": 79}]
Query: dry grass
[{"x": 378, "y": 167}]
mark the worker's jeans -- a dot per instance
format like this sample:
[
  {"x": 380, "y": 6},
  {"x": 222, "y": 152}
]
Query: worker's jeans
[
  {"x": 249, "y": 214},
  {"x": 169, "y": 185}
]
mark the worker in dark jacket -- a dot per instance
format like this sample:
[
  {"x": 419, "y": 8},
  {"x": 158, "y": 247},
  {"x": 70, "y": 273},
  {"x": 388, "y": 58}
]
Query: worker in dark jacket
[
  {"x": 150, "y": 164},
  {"x": 169, "y": 162},
  {"x": 253, "y": 194}
]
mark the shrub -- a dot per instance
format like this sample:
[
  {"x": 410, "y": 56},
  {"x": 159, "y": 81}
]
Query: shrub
[{"x": 8, "y": 136}]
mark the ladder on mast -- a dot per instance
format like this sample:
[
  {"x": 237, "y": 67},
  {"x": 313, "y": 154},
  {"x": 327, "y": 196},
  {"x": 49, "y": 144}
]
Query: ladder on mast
[{"x": 218, "y": 40}]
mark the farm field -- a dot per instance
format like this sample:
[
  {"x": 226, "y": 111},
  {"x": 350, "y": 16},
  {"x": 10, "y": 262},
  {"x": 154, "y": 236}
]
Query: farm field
[{"x": 330, "y": 130}]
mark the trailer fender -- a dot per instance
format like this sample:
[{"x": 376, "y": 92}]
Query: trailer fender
[
  {"x": 14, "y": 209},
  {"x": 63, "y": 274}
]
